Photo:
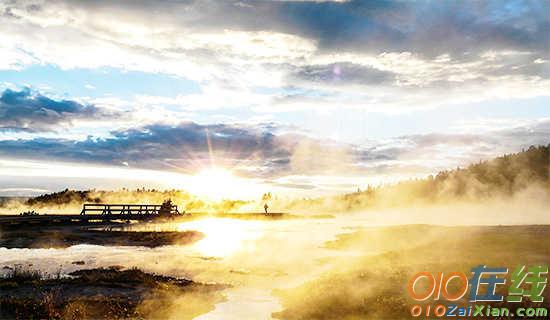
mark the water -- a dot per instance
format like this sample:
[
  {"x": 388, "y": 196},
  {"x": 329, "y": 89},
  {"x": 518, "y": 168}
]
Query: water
[{"x": 255, "y": 257}]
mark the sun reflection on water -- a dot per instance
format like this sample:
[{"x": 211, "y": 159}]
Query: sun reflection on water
[{"x": 224, "y": 237}]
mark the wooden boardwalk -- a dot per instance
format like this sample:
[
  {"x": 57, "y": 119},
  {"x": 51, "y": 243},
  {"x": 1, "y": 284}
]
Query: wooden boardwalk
[
  {"x": 130, "y": 209},
  {"x": 97, "y": 212}
]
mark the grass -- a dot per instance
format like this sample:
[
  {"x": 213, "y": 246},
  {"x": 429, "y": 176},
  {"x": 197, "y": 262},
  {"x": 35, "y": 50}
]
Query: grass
[
  {"x": 104, "y": 293},
  {"x": 115, "y": 275},
  {"x": 20, "y": 274}
]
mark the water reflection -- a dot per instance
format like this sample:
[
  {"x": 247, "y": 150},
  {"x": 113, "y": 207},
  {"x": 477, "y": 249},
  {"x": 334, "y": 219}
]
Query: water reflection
[
  {"x": 224, "y": 237},
  {"x": 253, "y": 256}
]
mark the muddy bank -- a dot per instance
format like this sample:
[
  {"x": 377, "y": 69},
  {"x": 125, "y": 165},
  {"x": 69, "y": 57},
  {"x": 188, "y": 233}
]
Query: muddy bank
[
  {"x": 66, "y": 236},
  {"x": 105, "y": 293}
]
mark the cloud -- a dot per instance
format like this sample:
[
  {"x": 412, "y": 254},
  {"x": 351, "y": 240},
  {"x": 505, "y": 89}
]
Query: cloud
[
  {"x": 341, "y": 74},
  {"x": 30, "y": 111},
  {"x": 184, "y": 147},
  {"x": 428, "y": 153},
  {"x": 22, "y": 192},
  {"x": 430, "y": 28},
  {"x": 283, "y": 158},
  {"x": 273, "y": 56},
  {"x": 387, "y": 56}
]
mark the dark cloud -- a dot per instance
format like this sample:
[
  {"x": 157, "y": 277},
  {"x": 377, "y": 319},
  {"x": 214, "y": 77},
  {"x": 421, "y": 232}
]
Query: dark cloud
[
  {"x": 28, "y": 111},
  {"x": 424, "y": 27},
  {"x": 182, "y": 147},
  {"x": 428, "y": 28}
]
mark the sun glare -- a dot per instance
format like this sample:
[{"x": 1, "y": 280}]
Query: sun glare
[
  {"x": 218, "y": 183},
  {"x": 224, "y": 237},
  {"x": 221, "y": 175}
]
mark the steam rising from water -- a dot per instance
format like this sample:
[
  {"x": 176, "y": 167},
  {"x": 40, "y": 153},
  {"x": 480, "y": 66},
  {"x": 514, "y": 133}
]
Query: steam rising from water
[{"x": 259, "y": 256}]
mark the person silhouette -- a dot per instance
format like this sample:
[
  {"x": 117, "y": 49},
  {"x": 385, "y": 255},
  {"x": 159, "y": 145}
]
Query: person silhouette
[{"x": 265, "y": 208}]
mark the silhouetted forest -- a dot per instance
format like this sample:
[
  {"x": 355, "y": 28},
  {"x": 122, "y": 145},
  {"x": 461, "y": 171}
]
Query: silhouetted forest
[
  {"x": 183, "y": 199},
  {"x": 63, "y": 197},
  {"x": 500, "y": 177}
]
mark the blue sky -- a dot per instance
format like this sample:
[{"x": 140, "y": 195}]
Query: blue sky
[
  {"x": 99, "y": 82},
  {"x": 298, "y": 96}
]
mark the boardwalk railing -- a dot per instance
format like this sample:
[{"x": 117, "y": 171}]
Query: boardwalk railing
[{"x": 129, "y": 209}]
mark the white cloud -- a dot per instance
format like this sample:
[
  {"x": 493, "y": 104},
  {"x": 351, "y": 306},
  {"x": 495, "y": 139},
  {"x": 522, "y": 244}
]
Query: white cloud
[{"x": 72, "y": 35}]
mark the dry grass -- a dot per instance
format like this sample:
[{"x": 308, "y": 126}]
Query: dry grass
[{"x": 104, "y": 293}]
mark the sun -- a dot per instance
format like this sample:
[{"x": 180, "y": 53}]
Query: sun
[
  {"x": 220, "y": 175},
  {"x": 217, "y": 183}
]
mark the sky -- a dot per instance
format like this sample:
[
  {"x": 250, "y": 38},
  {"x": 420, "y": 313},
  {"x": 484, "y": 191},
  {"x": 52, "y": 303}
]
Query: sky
[{"x": 295, "y": 97}]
